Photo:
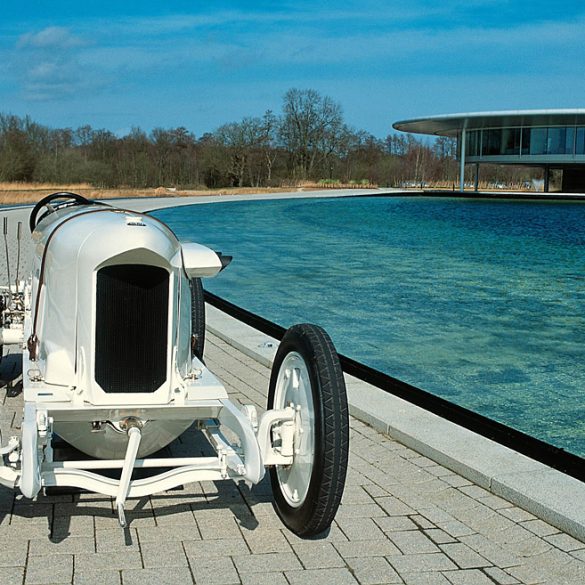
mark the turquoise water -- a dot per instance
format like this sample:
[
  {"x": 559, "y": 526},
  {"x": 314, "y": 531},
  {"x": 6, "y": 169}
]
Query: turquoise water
[{"x": 481, "y": 302}]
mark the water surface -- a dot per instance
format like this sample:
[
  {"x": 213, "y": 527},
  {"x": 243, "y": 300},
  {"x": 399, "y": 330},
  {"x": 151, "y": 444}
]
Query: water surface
[{"x": 481, "y": 302}]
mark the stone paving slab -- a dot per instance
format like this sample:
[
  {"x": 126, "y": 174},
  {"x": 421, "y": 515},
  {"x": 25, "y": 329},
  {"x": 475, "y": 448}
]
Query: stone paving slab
[{"x": 391, "y": 532}]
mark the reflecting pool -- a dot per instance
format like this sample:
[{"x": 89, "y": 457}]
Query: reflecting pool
[{"x": 481, "y": 302}]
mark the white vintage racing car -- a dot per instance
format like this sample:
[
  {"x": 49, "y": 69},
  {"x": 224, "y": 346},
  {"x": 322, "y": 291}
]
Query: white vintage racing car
[{"x": 112, "y": 326}]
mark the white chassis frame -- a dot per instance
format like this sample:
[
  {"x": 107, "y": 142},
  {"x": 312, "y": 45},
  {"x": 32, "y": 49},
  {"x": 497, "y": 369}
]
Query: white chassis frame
[
  {"x": 30, "y": 464},
  {"x": 34, "y": 455}
]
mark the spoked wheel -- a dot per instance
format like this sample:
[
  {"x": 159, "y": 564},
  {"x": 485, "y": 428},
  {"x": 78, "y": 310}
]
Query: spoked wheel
[
  {"x": 197, "y": 317},
  {"x": 307, "y": 374}
]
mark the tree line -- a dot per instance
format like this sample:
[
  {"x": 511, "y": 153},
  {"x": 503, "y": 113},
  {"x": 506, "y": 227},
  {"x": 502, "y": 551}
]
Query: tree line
[{"x": 308, "y": 141}]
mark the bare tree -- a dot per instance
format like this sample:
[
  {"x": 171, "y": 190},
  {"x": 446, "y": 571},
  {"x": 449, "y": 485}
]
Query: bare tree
[
  {"x": 310, "y": 126},
  {"x": 245, "y": 142},
  {"x": 268, "y": 142},
  {"x": 309, "y": 140},
  {"x": 233, "y": 138}
]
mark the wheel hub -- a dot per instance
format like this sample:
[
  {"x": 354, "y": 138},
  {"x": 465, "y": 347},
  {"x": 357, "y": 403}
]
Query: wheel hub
[{"x": 293, "y": 388}]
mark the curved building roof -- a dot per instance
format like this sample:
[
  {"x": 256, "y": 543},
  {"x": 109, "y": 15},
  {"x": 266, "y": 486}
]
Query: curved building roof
[{"x": 452, "y": 124}]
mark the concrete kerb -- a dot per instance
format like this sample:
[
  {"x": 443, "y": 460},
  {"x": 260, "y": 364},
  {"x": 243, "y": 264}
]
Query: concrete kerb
[
  {"x": 549, "y": 494},
  {"x": 147, "y": 204}
]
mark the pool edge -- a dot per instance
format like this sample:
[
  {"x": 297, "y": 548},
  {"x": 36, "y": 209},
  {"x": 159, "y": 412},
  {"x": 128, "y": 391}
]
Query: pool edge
[{"x": 545, "y": 492}]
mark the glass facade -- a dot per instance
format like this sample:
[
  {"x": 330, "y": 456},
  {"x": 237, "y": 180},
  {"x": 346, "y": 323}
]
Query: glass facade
[
  {"x": 580, "y": 141},
  {"x": 542, "y": 141}
]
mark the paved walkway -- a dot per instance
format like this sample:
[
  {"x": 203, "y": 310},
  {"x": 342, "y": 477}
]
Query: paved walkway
[{"x": 403, "y": 519}]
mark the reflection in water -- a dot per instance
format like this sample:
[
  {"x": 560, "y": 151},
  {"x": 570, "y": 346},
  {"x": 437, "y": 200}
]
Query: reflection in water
[{"x": 480, "y": 302}]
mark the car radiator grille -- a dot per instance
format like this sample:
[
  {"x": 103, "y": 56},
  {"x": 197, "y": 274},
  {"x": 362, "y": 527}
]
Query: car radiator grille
[{"x": 131, "y": 328}]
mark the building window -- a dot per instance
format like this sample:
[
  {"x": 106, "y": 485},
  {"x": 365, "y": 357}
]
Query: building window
[
  {"x": 510, "y": 141},
  {"x": 538, "y": 137},
  {"x": 540, "y": 141},
  {"x": 570, "y": 141},
  {"x": 560, "y": 141},
  {"x": 525, "y": 140},
  {"x": 580, "y": 142},
  {"x": 501, "y": 141},
  {"x": 491, "y": 142},
  {"x": 472, "y": 148}
]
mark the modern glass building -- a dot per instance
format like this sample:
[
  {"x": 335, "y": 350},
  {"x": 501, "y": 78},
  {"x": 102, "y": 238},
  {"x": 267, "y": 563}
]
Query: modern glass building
[{"x": 551, "y": 139}]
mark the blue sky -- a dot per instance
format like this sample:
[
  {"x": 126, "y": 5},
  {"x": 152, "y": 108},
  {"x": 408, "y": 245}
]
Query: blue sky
[{"x": 118, "y": 64}]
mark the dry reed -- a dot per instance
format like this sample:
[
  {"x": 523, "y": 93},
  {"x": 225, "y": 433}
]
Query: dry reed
[{"x": 19, "y": 193}]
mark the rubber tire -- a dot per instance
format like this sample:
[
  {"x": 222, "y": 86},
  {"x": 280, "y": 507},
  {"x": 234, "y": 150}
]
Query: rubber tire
[
  {"x": 198, "y": 316},
  {"x": 315, "y": 515}
]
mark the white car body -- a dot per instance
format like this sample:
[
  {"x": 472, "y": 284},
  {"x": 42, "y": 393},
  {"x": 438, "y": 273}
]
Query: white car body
[{"x": 112, "y": 371}]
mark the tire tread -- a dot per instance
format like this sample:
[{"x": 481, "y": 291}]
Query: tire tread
[
  {"x": 335, "y": 433},
  {"x": 198, "y": 315}
]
